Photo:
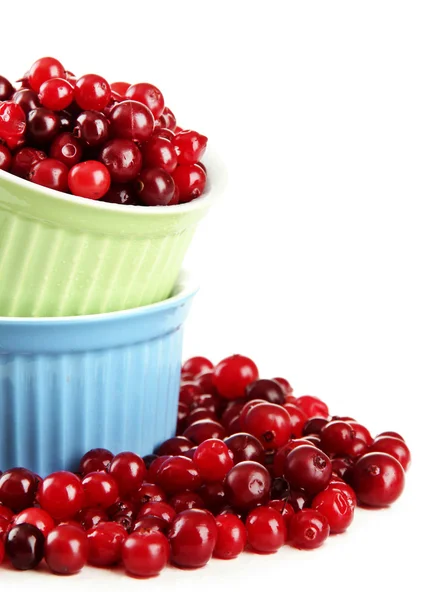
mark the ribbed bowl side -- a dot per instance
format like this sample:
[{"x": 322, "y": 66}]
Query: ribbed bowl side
[
  {"x": 56, "y": 407},
  {"x": 49, "y": 271}
]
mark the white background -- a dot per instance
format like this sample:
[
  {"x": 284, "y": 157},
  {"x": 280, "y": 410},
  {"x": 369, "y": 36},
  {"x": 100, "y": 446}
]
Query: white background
[{"x": 318, "y": 261}]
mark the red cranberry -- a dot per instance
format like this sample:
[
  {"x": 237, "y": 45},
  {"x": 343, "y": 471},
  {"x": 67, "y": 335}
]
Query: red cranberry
[
  {"x": 188, "y": 392},
  {"x": 44, "y": 69},
  {"x": 120, "y": 194},
  {"x": 247, "y": 407},
  {"x": 149, "y": 459},
  {"x": 27, "y": 99},
  {"x": 175, "y": 446},
  {"x": 122, "y": 159},
  {"x": 98, "y": 459},
  {"x": 297, "y": 419},
  {"x": 233, "y": 374},
  {"x": 154, "y": 468},
  {"x": 203, "y": 430},
  {"x": 145, "y": 555},
  {"x": 247, "y": 485},
  {"x": 157, "y": 509},
  {"x": 42, "y": 126},
  {"x": 125, "y": 507},
  {"x": 5, "y": 158},
  {"x": 338, "y": 484},
  {"x": 129, "y": 471},
  {"x": 336, "y": 437},
  {"x": 336, "y": 507},
  {"x": 100, "y": 489},
  {"x": 61, "y": 495},
  {"x": 308, "y": 468},
  {"x": 393, "y": 446},
  {"x": 197, "y": 365},
  {"x": 89, "y": 179},
  {"x": 192, "y": 537},
  {"x": 190, "y": 181},
  {"x": 266, "y": 529},
  {"x": 17, "y": 489},
  {"x": 205, "y": 380},
  {"x": 279, "y": 460},
  {"x": 284, "y": 508},
  {"x": 186, "y": 500},
  {"x": 6, "y": 89},
  {"x": 12, "y": 120},
  {"x": 308, "y": 529},
  {"x": 149, "y": 95},
  {"x": 313, "y": 439},
  {"x": 56, "y": 94},
  {"x": 24, "y": 546},
  {"x": 50, "y": 173},
  {"x": 245, "y": 447},
  {"x": 231, "y": 536},
  {"x": 213, "y": 460},
  {"x": 91, "y": 128},
  {"x": 314, "y": 425},
  {"x": 159, "y": 152},
  {"x": 361, "y": 433},
  {"x": 132, "y": 121},
  {"x": 37, "y": 517},
  {"x": 284, "y": 384},
  {"x": 66, "y": 149},
  {"x": 265, "y": 389},
  {"x": 150, "y": 523},
  {"x": 390, "y": 434},
  {"x": 89, "y": 517},
  {"x": 66, "y": 550},
  {"x": 124, "y": 521},
  {"x": 105, "y": 544},
  {"x": 155, "y": 187},
  {"x": 92, "y": 92},
  {"x": 213, "y": 495},
  {"x": 378, "y": 479},
  {"x": 177, "y": 474},
  {"x": 269, "y": 424},
  {"x": 342, "y": 466},
  {"x": 120, "y": 87},
  {"x": 190, "y": 146},
  {"x": 312, "y": 406}
]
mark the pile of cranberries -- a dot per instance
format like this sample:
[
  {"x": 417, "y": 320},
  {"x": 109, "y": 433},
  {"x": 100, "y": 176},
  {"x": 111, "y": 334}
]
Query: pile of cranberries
[
  {"x": 252, "y": 466},
  {"x": 118, "y": 143}
]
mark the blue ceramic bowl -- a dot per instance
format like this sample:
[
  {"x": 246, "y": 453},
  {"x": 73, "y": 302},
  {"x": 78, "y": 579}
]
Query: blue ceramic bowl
[{"x": 70, "y": 384}]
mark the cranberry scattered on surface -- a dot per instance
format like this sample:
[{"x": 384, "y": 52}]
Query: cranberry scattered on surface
[
  {"x": 308, "y": 468},
  {"x": 270, "y": 424},
  {"x": 192, "y": 537},
  {"x": 128, "y": 469},
  {"x": 247, "y": 485},
  {"x": 308, "y": 529},
  {"x": 213, "y": 460},
  {"x": 61, "y": 494},
  {"x": 266, "y": 529},
  {"x": 233, "y": 374},
  {"x": 393, "y": 446},
  {"x": 17, "y": 489},
  {"x": 98, "y": 459},
  {"x": 66, "y": 550},
  {"x": 178, "y": 473},
  {"x": 145, "y": 554},
  {"x": 105, "y": 542},
  {"x": 37, "y": 517},
  {"x": 100, "y": 489},
  {"x": 336, "y": 507},
  {"x": 231, "y": 536},
  {"x": 157, "y": 509},
  {"x": 24, "y": 546},
  {"x": 378, "y": 479}
]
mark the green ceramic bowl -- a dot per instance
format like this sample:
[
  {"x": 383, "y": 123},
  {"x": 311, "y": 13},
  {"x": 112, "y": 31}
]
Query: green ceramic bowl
[{"x": 64, "y": 256}]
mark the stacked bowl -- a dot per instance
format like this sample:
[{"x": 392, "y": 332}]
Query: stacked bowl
[{"x": 92, "y": 307}]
